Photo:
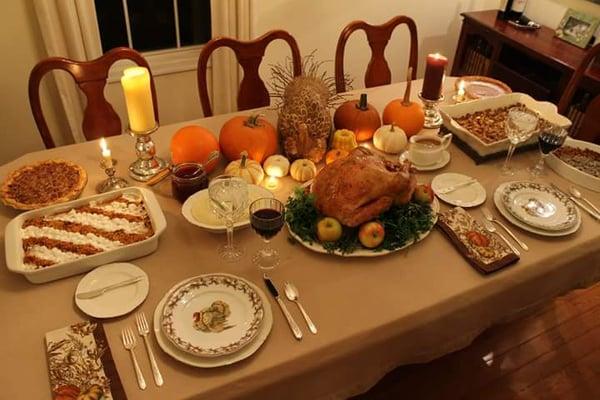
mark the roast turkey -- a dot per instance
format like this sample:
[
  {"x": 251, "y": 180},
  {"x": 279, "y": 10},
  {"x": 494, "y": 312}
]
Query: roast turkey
[{"x": 361, "y": 186}]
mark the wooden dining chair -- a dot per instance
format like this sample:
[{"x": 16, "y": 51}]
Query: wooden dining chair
[
  {"x": 589, "y": 130},
  {"x": 378, "y": 71},
  {"x": 252, "y": 92},
  {"x": 99, "y": 118}
]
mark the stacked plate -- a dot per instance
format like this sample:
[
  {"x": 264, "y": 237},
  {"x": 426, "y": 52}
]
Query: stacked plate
[
  {"x": 212, "y": 320},
  {"x": 537, "y": 208}
]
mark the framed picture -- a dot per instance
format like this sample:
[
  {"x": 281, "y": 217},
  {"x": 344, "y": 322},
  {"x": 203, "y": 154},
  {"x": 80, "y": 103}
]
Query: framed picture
[{"x": 577, "y": 28}]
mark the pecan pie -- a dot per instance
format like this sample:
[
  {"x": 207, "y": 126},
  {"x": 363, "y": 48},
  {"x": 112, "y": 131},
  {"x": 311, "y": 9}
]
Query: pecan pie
[{"x": 44, "y": 183}]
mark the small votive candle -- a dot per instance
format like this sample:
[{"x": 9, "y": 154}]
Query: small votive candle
[
  {"x": 460, "y": 93},
  {"x": 434, "y": 76},
  {"x": 106, "y": 154},
  {"x": 272, "y": 182}
]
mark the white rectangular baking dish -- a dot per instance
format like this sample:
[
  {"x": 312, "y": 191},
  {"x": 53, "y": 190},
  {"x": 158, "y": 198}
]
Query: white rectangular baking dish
[
  {"x": 14, "y": 247},
  {"x": 547, "y": 111},
  {"x": 571, "y": 173}
]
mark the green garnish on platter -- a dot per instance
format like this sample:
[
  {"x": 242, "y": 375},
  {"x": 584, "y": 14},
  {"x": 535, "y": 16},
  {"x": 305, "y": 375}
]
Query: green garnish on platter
[{"x": 403, "y": 224}]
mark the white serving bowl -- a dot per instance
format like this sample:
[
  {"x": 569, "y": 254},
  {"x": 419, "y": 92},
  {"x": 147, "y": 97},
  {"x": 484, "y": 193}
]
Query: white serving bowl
[{"x": 571, "y": 173}]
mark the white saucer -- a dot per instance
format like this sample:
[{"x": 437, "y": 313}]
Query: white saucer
[
  {"x": 506, "y": 214},
  {"x": 196, "y": 210},
  {"x": 114, "y": 302},
  {"x": 212, "y": 362},
  {"x": 440, "y": 164},
  {"x": 467, "y": 196}
]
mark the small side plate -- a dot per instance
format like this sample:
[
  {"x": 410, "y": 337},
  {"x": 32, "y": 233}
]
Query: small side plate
[
  {"x": 467, "y": 196},
  {"x": 423, "y": 168}
]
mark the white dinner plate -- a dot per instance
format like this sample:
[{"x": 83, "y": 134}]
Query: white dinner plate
[
  {"x": 196, "y": 210},
  {"x": 529, "y": 228},
  {"x": 467, "y": 196},
  {"x": 212, "y": 315},
  {"x": 212, "y": 362},
  {"x": 442, "y": 162},
  {"x": 115, "y": 302},
  {"x": 539, "y": 205}
]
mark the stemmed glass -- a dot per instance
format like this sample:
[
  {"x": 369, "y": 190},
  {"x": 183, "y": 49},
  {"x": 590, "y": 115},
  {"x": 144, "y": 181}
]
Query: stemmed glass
[
  {"x": 519, "y": 125},
  {"x": 228, "y": 197},
  {"x": 549, "y": 140},
  {"x": 266, "y": 218}
]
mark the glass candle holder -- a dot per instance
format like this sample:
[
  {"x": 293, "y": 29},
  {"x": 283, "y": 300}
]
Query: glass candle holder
[
  {"x": 431, "y": 109},
  {"x": 147, "y": 164}
]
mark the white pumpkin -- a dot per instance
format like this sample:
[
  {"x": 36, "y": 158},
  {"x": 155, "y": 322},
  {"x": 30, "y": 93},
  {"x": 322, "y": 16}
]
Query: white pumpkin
[
  {"x": 277, "y": 166},
  {"x": 247, "y": 169},
  {"x": 390, "y": 139},
  {"x": 303, "y": 170}
]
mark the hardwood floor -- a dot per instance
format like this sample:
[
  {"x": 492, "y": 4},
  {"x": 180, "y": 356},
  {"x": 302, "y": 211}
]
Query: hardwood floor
[{"x": 552, "y": 354}]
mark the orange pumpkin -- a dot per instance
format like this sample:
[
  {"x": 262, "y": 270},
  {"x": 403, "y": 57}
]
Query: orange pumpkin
[
  {"x": 253, "y": 134},
  {"x": 193, "y": 143},
  {"x": 335, "y": 154},
  {"x": 405, "y": 114},
  {"x": 359, "y": 117}
]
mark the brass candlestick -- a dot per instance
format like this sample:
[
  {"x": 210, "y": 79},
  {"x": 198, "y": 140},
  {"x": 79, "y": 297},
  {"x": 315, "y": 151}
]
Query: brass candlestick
[
  {"x": 112, "y": 182},
  {"x": 147, "y": 164},
  {"x": 433, "y": 118}
]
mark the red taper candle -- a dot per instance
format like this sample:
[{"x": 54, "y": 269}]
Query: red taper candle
[{"x": 434, "y": 76}]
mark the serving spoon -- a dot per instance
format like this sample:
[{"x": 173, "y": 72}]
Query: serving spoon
[
  {"x": 577, "y": 194},
  {"x": 292, "y": 294}
]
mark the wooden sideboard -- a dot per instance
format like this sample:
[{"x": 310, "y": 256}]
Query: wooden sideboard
[{"x": 529, "y": 61}]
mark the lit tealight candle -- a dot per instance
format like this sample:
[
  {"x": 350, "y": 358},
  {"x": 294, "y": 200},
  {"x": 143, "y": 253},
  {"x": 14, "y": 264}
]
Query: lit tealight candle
[
  {"x": 460, "y": 94},
  {"x": 138, "y": 98},
  {"x": 272, "y": 182},
  {"x": 106, "y": 154}
]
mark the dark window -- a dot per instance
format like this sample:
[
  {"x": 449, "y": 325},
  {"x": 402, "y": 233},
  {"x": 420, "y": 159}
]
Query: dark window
[
  {"x": 152, "y": 24},
  {"x": 111, "y": 20},
  {"x": 194, "y": 21}
]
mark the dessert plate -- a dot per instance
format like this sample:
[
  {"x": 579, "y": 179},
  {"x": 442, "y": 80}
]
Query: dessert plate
[
  {"x": 526, "y": 227},
  {"x": 443, "y": 161},
  {"x": 479, "y": 87},
  {"x": 196, "y": 210},
  {"x": 466, "y": 196},
  {"x": 539, "y": 205},
  {"x": 115, "y": 302},
  {"x": 212, "y": 362},
  {"x": 212, "y": 315}
]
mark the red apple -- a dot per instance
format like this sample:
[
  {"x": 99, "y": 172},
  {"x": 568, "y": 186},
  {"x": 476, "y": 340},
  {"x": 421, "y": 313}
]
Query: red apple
[
  {"x": 423, "y": 194},
  {"x": 371, "y": 234},
  {"x": 329, "y": 230}
]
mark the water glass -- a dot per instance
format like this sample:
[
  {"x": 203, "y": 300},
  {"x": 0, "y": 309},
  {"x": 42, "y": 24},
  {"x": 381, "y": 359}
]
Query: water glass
[{"x": 519, "y": 125}]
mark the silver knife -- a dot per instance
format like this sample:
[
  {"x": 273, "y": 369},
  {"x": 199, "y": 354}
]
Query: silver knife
[
  {"x": 454, "y": 187},
  {"x": 580, "y": 204},
  {"x": 293, "y": 325},
  {"x": 97, "y": 292}
]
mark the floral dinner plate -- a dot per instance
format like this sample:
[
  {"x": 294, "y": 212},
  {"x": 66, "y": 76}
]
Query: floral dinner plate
[{"x": 212, "y": 315}]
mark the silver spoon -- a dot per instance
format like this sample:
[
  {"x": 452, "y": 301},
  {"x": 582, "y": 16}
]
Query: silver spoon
[
  {"x": 488, "y": 215},
  {"x": 577, "y": 194},
  {"x": 292, "y": 294}
]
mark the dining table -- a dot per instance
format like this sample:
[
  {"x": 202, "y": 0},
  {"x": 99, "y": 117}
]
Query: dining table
[{"x": 373, "y": 313}]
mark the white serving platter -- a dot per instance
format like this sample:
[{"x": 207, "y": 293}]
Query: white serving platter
[
  {"x": 571, "y": 173},
  {"x": 546, "y": 110},
  {"x": 14, "y": 245}
]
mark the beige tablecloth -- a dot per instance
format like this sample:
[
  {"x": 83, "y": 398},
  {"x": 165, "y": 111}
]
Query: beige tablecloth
[{"x": 373, "y": 314}]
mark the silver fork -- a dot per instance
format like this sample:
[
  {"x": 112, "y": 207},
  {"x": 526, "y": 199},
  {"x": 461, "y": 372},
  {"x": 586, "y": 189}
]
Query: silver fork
[
  {"x": 144, "y": 330},
  {"x": 490, "y": 217},
  {"x": 129, "y": 342},
  {"x": 492, "y": 229}
]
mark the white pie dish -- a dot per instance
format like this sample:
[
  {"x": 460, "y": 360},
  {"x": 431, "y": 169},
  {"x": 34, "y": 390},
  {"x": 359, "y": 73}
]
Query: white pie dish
[
  {"x": 14, "y": 245},
  {"x": 571, "y": 173},
  {"x": 546, "y": 110}
]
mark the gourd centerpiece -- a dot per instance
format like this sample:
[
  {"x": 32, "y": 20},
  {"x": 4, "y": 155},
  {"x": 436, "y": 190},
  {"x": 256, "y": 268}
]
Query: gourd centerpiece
[
  {"x": 405, "y": 114},
  {"x": 252, "y": 134},
  {"x": 359, "y": 117}
]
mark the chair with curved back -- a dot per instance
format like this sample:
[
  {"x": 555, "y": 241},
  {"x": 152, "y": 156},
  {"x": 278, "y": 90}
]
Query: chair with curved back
[
  {"x": 252, "y": 92},
  {"x": 378, "y": 71},
  {"x": 100, "y": 118},
  {"x": 589, "y": 130}
]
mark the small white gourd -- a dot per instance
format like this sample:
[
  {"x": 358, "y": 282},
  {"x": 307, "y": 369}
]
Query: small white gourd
[
  {"x": 277, "y": 166},
  {"x": 390, "y": 139},
  {"x": 247, "y": 169},
  {"x": 303, "y": 170}
]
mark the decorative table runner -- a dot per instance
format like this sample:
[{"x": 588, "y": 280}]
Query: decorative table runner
[{"x": 81, "y": 365}]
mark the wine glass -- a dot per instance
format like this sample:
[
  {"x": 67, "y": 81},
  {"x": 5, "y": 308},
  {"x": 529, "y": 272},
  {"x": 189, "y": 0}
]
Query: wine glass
[
  {"x": 519, "y": 125},
  {"x": 549, "y": 140},
  {"x": 266, "y": 218},
  {"x": 228, "y": 197}
]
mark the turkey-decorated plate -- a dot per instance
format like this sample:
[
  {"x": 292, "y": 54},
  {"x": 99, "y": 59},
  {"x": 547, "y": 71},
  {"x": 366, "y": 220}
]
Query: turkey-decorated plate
[{"x": 404, "y": 226}]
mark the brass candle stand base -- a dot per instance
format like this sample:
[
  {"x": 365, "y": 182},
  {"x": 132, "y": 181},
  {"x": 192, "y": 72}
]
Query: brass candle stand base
[
  {"x": 147, "y": 164},
  {"x": 112, "y": 182},
  {"x": 433, "y": 118}
]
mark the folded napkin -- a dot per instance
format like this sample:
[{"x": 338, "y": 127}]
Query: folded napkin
[
  {"x": 483, "y": 250},
  {"x": 80, "y": 364}
]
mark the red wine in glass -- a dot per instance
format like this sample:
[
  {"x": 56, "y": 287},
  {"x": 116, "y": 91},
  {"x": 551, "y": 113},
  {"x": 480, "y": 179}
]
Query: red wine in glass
[
  {"x": 267, "y": 222},
  {"x": 550, "y": 141},
  {"x": 266, "y": 218}
]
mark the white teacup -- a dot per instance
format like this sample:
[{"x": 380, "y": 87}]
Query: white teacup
[{"x": 428, "y": 149}]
